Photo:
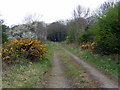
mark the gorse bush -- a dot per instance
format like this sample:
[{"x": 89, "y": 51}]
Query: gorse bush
[
  {"x": 91, "y": 46},
  {"x": 23, "y": 50}
]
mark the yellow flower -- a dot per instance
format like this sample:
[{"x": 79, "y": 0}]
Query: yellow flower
[
  {"x": 16, "y": 41},
  {"x": 82, "y": 46},
  {"x": 0, "y": 54},
  {"x": 5, "y": 50},
  {"x": 11, "y": 49},
  {"x": 6, "y": 57},
  {"x": 30, "y": 62},
  {"x": 46, "y": 50},
  {"x": 21, "y": 43},
  {"x": 44, "y": 45},
  {"x": 3, "y": 58},
  {"x": 23, "y": 50},
  {"x": 92, "y": 44}
]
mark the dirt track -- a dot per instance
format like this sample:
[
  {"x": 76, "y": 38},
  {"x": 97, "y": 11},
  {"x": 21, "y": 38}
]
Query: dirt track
[
  {"x": 95, "y": 74},
  {"x": 57, "y": 80}
]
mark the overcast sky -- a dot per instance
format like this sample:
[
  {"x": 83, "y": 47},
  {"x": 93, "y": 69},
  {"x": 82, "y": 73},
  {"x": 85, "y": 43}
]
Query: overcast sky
[{"x": 14, "y": 11}]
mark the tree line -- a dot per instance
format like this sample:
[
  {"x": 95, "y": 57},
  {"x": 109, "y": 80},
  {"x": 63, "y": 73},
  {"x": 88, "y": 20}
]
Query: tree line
[{"x": 101, "y": 27}]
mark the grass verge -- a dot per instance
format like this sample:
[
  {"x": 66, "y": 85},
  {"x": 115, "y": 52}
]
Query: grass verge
[
  {"x": 106, "y": 64},
  {"x": 27, "y": 76}
]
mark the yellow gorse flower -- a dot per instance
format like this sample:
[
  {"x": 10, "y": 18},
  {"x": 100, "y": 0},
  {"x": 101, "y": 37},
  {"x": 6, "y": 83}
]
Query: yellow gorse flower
[
  {"x": 32, "y": 49},
  {"x": 92, "y": 44},
  {"x": 7, "y": 57},
  {"x": 88, "y": 45},
  {"x": 30, "y": 63},
  {"x": 82, "y": 46}
]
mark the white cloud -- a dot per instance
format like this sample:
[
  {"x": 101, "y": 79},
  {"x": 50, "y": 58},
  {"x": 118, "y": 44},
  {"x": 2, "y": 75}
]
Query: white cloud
[{"x": 13, "y": 11}]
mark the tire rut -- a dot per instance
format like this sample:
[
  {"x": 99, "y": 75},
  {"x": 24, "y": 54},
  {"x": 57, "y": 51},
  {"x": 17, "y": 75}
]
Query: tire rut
[
  {"x": 96, "y": 75},
  {"x": 57, "y": 80}
]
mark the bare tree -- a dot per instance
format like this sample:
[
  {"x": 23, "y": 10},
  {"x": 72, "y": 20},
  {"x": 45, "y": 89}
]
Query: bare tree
[
  {"x": 80, "y": 12},
  {"x": 104, "y": 7},
  {"x": 86, "y": 12},
  {"x": 32, "y": 18},
  {"x": 40, "y": 30}
]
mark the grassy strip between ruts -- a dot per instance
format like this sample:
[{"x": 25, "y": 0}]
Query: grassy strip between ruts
[
  {"x": 109, "y": 67},
  {"x": 76, "y": 76},
  {"x": 27, "y": 76}
]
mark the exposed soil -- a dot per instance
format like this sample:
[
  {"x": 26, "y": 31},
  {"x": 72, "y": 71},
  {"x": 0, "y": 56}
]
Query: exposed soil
[
  {"x": 56, "y": 78},
  {"x": 82, "y": 80},
  {"x": 93, "y": 72}
]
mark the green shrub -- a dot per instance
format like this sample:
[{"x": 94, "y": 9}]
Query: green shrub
[
  {"x": 85, "y": 36},
  {"x": 3, "y": 29},
  {"x": 4, "y": 37},
  {"x": 108, "y": 32}
]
